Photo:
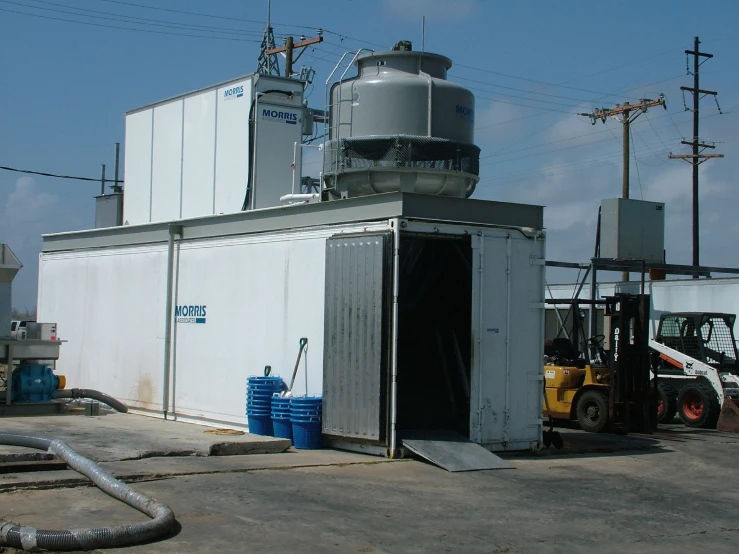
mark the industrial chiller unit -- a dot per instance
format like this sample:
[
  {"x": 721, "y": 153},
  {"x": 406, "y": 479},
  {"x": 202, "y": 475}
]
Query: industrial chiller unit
[{"x": 424, "y": 309}]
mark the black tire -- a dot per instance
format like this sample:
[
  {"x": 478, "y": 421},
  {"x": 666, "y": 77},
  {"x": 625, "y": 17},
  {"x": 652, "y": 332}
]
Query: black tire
[
  {"x": 592, "y": 411},
  {"x": 666, "y": 403},
  {"x": 698, "y": 405}
]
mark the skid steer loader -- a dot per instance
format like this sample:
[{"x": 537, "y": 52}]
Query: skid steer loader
[{"x": 695, "y": 358}]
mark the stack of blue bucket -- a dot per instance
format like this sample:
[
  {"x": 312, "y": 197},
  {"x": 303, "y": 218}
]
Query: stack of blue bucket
[
  {"x": 305, "y": 416},
  {"x": 259, "y": 392},
  {"x": 281, "y": 417}
]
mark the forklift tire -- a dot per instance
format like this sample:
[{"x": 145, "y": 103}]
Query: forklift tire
[
  {"x": 698, "y": 405},
  {"x": 666, "y": 403},
  {"x": 592, "y": 411}
]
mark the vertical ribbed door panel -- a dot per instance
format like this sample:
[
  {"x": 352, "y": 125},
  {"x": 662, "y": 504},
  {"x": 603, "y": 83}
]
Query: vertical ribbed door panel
[{"x": 355, "y": 339}]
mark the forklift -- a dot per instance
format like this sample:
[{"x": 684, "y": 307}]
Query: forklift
[{"x": 604, "y": 383}]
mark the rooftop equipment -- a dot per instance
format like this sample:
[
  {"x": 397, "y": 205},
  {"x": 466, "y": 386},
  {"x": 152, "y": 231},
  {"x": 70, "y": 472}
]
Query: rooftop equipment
[
  {"x": 9, "y": 266},
  {"x": 399, "y": 125}
]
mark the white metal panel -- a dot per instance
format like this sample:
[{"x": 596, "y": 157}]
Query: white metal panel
[
  {"x": 266, "y": 294},
  {"x": 507, "y": 341},
  {"x": 232, "y": 146},
  {"x": 260, "y": 293},
  {"x": 166, "y": 173},
  {"x": 137, "y": 168},
  {"x": 109, "y": 306},
  {"x": 278, "y": 128},
  {"x": 198, "y": 154}
]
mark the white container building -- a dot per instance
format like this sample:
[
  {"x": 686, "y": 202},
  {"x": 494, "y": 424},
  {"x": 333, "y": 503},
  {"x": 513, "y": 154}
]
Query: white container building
[{"x": 423, "y": 312}]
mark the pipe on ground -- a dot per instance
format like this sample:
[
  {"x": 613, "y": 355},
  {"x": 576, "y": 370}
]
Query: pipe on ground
[
  {"x": 31, "y": 539},
  {"x": 117, "y": 405}
]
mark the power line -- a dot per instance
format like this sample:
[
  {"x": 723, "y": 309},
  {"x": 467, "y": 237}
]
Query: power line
[
  {"x": 606, "y": 130},
  {"x": 150, "y": 31},
  {"x": 201, "y": 14},
  {"x": 138, "y": 20},
  {"x": 30, "y": 172},
  {"x": 527, "y": 99},
  {"x": 536, "y": 81}
]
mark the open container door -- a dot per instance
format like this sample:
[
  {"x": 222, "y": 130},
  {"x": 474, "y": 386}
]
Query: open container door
[
  {"x": 356, "y": 347},
  {"x": 508, "y": 340}
]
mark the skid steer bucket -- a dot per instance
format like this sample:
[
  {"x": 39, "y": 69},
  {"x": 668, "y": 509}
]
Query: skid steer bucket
[{"x": 728, "y": 421}]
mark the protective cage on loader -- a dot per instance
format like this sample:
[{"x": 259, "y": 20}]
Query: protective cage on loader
[
  {"x": 695, "y": 358},
  {"x": 604, "y": 389}
]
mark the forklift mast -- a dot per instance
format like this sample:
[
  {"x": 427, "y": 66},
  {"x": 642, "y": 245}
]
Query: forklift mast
[{"x": 633, "y": 399}]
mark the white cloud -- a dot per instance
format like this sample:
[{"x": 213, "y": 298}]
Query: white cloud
[
  {"x": 27, "y": 213},
  {"x": 496, "y": 120},
  {"x": 27, "y": 203},
  {"x": 432, "y": 9}
]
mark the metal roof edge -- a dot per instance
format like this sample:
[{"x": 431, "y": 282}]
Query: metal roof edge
[
  {"x": 209, "y": 88},
  {"x": 355, "y": 210}
]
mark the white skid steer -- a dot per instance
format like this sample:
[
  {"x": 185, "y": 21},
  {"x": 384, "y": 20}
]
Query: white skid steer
[{"x": 697, "y": 369}]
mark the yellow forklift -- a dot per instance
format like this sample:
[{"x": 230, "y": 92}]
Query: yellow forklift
[{"x": 604, "y": 386}]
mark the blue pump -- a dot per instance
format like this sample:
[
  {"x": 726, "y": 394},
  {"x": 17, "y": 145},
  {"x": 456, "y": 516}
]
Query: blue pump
[{"x": 34, "y": 383}]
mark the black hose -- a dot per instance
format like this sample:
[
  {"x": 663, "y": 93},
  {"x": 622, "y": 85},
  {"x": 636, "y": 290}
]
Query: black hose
[
  {"x": 85, "y": 393},
  {"x": 29, "y": 538},
  {"x": 117, "y": 405}
]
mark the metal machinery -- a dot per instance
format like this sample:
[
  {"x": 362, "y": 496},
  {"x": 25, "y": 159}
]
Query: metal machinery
[
  {"x": 29, "y": 386},
  {"x": 604, "y": 389},
  {"x": 696, "y": 363},
  {"x": 399, "y": 125}
]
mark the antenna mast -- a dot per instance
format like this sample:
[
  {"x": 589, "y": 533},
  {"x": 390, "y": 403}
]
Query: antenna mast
[{"x": 268, "y": 64}]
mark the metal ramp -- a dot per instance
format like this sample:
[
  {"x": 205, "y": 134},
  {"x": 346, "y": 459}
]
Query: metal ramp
[{"x": 452, "y": 451}]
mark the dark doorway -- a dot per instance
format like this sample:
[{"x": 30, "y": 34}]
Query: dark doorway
[{"x": 434, "y": 333}]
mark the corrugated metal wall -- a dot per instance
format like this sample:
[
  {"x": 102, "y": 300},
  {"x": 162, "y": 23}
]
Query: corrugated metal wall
[{"x": 355, "y": 354}]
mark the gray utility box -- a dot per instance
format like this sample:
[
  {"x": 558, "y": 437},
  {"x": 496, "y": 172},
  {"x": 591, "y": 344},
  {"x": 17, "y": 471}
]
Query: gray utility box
[
  {"x": 632, "y": 230},
  {"x": 109, "y": 210}
]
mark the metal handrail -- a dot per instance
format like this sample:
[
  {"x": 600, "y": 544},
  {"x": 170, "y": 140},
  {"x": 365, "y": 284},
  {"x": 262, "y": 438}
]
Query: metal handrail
[{"x": 354, "y": 55}]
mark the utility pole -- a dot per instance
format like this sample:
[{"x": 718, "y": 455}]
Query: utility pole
[
  {"x": 628, "y": 113},
  {"x": 289, "y": 50},
  {"x": 697, "y": 157}
]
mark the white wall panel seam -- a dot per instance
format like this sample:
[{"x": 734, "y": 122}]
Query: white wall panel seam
[
  {"x": 215, "y": 152},
  {"x": 182, "y": 156},
  {"x": 151, "y": 165}
]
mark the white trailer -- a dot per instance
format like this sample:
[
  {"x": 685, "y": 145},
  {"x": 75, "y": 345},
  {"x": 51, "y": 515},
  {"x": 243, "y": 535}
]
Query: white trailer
[{"x": 421, "y": 312}]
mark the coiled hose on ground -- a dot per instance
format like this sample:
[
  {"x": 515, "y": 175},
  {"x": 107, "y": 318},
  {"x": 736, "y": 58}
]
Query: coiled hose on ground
[{"x": 29, "y": 538}]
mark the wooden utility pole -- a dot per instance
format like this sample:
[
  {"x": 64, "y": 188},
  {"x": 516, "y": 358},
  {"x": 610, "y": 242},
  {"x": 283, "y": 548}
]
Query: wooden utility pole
[
  {"x": 628, "y": 113},
  {"x": 289, "y": 50},
  {"x": 697, "y": 157}
]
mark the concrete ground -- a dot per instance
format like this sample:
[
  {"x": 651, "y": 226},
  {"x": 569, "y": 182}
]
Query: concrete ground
[
  {"x": 674, "y": 491},
  {"x": 117, "y": 436}
]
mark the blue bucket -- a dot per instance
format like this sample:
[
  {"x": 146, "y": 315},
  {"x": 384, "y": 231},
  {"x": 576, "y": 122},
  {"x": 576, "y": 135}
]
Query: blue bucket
[
  {"x": 283, "y": 428},
  {"x": 259, "y": 392},
  {"x": 305, "y": 416},
  {"x": 261, "y": 425},
  {"x": 307, "y": 434}
]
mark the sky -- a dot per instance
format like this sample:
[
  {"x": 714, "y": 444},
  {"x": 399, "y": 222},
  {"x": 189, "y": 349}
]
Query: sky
[{"x": 72, "y": 68}]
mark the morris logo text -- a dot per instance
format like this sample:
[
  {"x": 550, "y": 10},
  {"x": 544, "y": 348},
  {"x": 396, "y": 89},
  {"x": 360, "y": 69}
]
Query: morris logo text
[
  {"x": 190, "y": 314},
  {"x": 233, "y": 92},
  {"x": 463, "y": 112},
  {"x": 276, "y": 115}
]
